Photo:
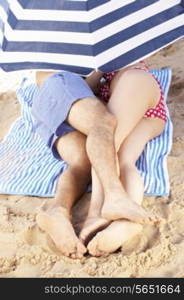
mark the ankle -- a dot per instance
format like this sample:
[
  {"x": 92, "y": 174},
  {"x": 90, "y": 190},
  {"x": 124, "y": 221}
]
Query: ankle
[
  {"x": 95, "y": 210},
  {"x": 94, "y": 214},
  {"x": 61, "y": 209},
  {"x": 113, "y": 187}
]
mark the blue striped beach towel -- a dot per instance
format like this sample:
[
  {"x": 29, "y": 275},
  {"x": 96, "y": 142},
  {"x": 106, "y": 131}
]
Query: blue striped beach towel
[{"x": 27, "y": 166}]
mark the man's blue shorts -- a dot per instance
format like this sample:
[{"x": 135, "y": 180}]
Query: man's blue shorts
[{"x": 52, "y": 103}]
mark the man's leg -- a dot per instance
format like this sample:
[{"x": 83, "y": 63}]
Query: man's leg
[
  {"x": 56, "y": 220},
  {"x": 72, "y": 183},
  {"x": 94, "y": 221},
  {"x": 91, "y": 117},
  {"x": 121, "y": 231}
]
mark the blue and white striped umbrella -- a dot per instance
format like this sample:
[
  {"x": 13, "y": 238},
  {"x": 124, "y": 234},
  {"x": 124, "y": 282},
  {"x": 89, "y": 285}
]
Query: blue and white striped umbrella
[{"x": 83, "y": 35}]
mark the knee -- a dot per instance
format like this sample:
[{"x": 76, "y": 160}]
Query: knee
[
  {"x": 72, "y": 148},
  {"x": 80, "y": 161},
  {"x": 126, "y": 161},
  {"x": 106, "y": 120},
  {"x": 110, "y": 120},
  {"x": 127, "y": 165}
]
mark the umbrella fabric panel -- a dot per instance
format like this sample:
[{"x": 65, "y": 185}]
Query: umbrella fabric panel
[
  {"x": 61, "y": 4},
  {"x": 107, "y": 37},
  {"x": 125, "y": 14},
  {"x": 85, "y": 49},
  {"x": 127, "y": 11},
  {"x": 51, "y": 21},
  {"x": 4, "y": 9},
  {"x": 4, "y": 4},
  {"x": 143, "y": 51},
  {"x": 30, "y": 19}
]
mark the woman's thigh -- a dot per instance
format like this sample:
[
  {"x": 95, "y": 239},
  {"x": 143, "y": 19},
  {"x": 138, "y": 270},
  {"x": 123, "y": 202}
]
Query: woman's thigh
[
  {"x": 134, "y": 91},
  {"x": 132, "y": 94},
  {"x": 133, "y": 145}
]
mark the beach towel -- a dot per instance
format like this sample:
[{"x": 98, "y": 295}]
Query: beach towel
[{"x": 27, "y": 166}]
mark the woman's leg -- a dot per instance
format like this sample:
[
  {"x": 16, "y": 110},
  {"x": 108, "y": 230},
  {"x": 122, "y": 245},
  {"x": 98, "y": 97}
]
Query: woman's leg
[
  {"x": 72, "y": 183},
  {"x": 118, "y": 232},
  {"x": 132, "y": 94},
  {"x": 129, "y": 152}
]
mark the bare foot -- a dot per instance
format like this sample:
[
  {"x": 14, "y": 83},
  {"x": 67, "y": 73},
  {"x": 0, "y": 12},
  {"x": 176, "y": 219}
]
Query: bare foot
[
  {"x": 112, "y": 238},
  {"x": 118, "y": 206},
  {"x": 91, "y": 226},
  {"x": 56, "y": 223}
]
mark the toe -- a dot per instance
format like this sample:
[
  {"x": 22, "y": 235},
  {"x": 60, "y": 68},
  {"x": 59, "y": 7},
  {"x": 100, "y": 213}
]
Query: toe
[
  {"x": 92, "y": 247},
  {"x": 156, "y": 220},
  {"x": 81, "y": 250},
  {"x": 77, "y": 251},
  {"x": 95, "y": 251},
  {"x": 82, "y": 236},
  {"x": 73, "y": 255},
  {"x": 72, "y": 251}
]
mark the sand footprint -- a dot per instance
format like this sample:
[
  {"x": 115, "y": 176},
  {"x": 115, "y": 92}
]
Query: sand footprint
[{"x": 35, "y": 236}]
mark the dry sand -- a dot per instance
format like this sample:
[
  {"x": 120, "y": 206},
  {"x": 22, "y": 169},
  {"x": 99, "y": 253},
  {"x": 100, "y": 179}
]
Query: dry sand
[{"x": 25, "y": 251}]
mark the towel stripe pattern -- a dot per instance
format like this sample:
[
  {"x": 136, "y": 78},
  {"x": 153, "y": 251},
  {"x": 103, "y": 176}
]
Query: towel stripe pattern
[{"x": 27, "y": 166}]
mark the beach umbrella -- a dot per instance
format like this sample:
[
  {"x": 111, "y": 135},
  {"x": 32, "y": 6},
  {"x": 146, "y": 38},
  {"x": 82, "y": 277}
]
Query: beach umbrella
[{"x": 83, "y": 35}]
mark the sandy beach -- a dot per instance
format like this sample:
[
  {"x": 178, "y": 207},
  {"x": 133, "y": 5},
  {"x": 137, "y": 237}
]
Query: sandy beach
[{"x": 25, "y": 251}]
